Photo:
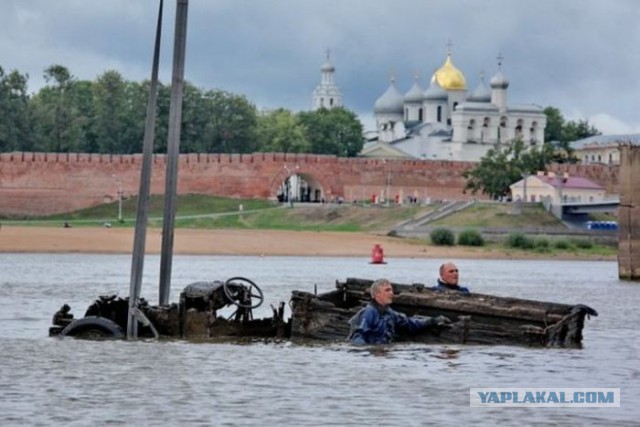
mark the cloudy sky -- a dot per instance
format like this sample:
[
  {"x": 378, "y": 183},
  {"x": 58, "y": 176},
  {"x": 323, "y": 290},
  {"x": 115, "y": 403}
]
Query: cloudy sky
[{"x": 581, "y": 56}]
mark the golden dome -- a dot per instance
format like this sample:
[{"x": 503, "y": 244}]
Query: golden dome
[{"x": 449, "y": 77}]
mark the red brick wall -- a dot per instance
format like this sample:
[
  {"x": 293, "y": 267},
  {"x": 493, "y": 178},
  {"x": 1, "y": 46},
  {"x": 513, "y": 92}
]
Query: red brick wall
[{"x": 45, "y": 183}]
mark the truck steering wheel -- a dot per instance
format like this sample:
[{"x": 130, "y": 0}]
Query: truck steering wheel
[{"x": 235, "y": 296}]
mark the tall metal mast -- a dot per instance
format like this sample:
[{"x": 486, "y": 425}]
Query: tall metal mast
[
  {"x": 173, "y": 149},
  {"x": 137, "y": 262}
]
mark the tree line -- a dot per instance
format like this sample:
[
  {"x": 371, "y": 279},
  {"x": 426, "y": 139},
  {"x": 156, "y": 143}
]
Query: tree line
[{"x": 107, "y": 115}]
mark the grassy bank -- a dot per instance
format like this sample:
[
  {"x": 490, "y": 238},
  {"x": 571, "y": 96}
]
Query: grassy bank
[
  {"x": 206, "y": 212},
  {"x": 210, "y": 212},
  {"x": 501, "y": 215}
]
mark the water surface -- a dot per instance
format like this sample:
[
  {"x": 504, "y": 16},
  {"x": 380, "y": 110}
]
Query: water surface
[{"x": 46, "y": 381}]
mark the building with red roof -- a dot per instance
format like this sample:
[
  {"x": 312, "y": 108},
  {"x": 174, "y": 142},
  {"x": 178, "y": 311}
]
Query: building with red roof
[{"x": 550, "y": 188}]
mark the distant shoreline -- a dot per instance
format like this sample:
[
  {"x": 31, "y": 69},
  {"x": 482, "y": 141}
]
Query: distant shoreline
[{"x": 20, "y": 239}]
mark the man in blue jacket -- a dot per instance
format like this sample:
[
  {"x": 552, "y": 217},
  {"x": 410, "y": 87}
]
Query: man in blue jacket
[
  {"x": 378, "y": 323},
  {"x": 448, "y": 280}
]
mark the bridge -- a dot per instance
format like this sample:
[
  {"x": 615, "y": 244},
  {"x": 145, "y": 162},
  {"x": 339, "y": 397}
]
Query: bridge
[{"x": 582, "y": 208}]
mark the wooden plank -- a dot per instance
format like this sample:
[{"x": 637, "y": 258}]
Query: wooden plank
[
  {"x": 360, "y": 287},
  {"x": 475, "y": 306}
]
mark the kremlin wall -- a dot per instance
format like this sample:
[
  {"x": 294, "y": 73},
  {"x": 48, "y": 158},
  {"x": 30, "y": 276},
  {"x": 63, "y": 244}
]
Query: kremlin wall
[{"x": 48, "y": 183}]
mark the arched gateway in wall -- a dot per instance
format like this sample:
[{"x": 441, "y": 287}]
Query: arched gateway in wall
[
  {"x": 299, "y": 186},
  {"x": 48, "y": 183}
]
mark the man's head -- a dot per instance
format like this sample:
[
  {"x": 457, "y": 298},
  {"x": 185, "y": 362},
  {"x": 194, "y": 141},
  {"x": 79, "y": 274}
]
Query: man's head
[
  {"x": 449, "y": 273},
  {"x": 382, "y": 292}
]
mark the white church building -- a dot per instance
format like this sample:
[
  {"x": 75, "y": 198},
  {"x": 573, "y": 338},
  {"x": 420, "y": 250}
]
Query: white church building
[
  {"x": 446, "y": 121},
  {"x": 327, "y": 94}
]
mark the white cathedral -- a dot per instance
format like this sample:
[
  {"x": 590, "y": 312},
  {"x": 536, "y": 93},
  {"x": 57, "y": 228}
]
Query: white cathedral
[{"x": 445, "y": 121}]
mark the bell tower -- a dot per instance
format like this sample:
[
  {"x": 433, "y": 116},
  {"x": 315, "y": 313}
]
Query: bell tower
[{"x": 327, "y": 94}]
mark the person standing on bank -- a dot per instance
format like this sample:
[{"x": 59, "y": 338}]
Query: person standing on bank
[
  {"x": 377, "y": 323},
  {"x": 449, "y": 277}
]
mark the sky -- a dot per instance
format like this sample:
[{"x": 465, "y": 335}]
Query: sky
[{"x": 580, "y": 56}]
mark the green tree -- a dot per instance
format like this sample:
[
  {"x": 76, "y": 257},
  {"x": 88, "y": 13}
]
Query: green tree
[
  {"x": 555, "y": 123},
  {"x": 493, "y": 175},
  {"x": 82, "y": 99},
  {"x": 502, "y": 166},
  {"x": 194, "y": 120},
  {"x": 281, "y": 131},
  {"x": 59, "y": 124},
  {"x": 536, "y": 159},
  {"x": 231, "y": 123},
  {"x": 336, "y": 131},
  {"x": 110, "y": 112},
  {"x": 162, "y": 118},
  {"x": 15, "y": 118},
  {"x": 573, "y": 131},
  {"x": 562, "y": 133},
  {"x": 135, "y": 113}
]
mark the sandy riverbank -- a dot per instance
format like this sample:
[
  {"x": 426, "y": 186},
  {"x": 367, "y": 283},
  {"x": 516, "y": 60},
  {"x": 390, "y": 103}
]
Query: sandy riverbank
[{"x": 237, "y": 242}]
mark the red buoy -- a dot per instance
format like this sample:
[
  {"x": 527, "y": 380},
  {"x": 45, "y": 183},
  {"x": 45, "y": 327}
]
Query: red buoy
[{"x": 377, "y": 255}]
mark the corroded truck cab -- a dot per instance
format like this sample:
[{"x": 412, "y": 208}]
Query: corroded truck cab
[{"x": 195, "y": 316}]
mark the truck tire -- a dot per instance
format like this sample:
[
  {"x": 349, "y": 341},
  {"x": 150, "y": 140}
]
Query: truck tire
[{"x": 93, "y": 327}]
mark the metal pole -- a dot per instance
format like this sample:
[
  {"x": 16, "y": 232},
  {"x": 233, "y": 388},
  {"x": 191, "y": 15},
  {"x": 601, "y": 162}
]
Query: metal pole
[
  {"x": 137, "y": 260},
  {"x": 173, "y": 150},
  {"x": 119, "y": 202}
]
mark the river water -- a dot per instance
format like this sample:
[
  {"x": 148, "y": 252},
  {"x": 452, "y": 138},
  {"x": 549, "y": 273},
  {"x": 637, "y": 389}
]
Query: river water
[{"x": 51, "y": 381}]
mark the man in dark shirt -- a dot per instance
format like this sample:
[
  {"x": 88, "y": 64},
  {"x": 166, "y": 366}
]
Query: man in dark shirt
[{"x": 448, "y": 280}]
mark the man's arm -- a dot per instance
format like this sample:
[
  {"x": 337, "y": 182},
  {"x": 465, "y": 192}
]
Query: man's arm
[
  {"x": 362, "y": 326},
  {"x": 416, "y": 323},
  {"x": 410, "y": 324}
]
